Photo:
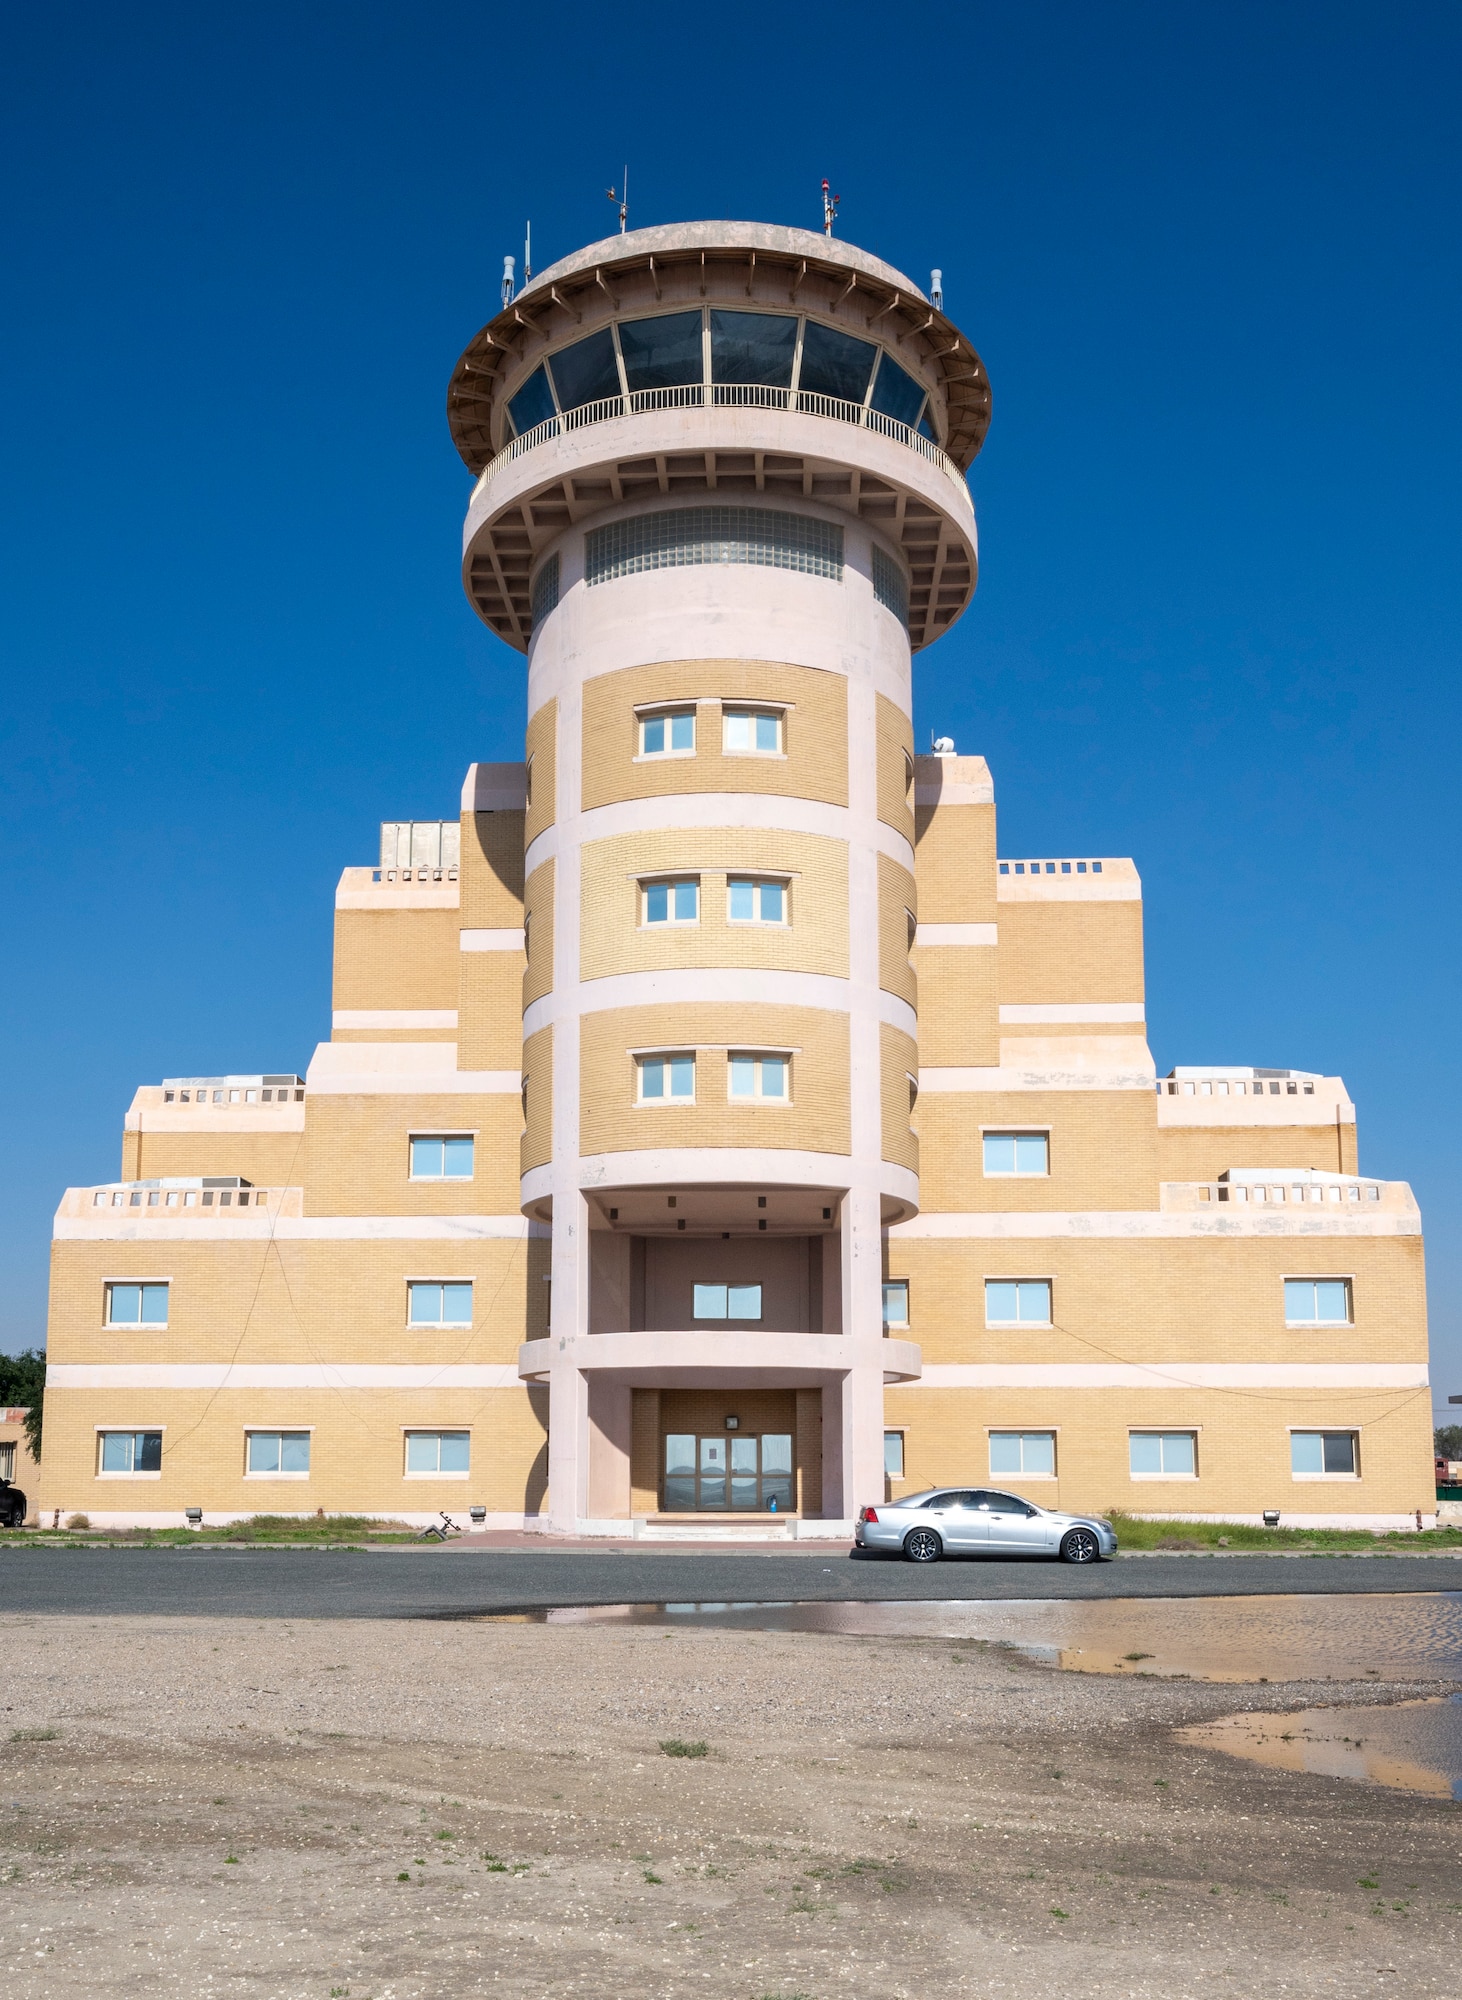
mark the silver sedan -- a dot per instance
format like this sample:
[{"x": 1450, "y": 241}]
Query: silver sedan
[{"x": 976, "y": 1521}]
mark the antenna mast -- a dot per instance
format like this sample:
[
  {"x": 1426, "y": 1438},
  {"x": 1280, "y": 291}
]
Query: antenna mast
[
  {"x": 527, "y": 251},
  {"x": 829, "y": 209},
  {"x": 621, "y": 195}
]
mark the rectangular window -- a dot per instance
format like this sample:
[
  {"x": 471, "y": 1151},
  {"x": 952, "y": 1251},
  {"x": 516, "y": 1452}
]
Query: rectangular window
[
  {"x": 893, "y": 1454},
  {"x": 1163, "y": 1454},
  {"x": 1317, "y": 1302},
  {"x": 667, "y": 1079},
  {"x": 448, "y": 1303},
  {"x": 137, "y": 1305},
  {"x": 749, "y": 901},
  {"x": 131, "y": 1451},
  {"x": 1017, "y": 1302},
  {"x": 669, "y": 734},
  {"x": 759, "y": 1079},
  {"x": 446, "y": 1158},
  {"x": 278, "y": 1454},
  {"x": 673, "y": 902},
  {"x": 755, "y": 732},
  {"x": 727, "y": 1302},
  {"x": 896, "y": 1302},
  {"x": 1016, "y": 1153},
  {"x": 1027, "y": 1454},
  {"x": 1324, "y": 1454},
  {"x": 432, "y": 1453}
]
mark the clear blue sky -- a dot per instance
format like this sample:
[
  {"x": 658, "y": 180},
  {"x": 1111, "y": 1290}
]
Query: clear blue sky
[{"x": 1208, "y": 253}]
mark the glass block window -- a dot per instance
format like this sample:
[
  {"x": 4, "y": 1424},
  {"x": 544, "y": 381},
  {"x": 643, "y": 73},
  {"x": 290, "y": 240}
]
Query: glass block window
[
  {"x": 1318, "y": 1454},
  {"x": 1163, "y": 1454},
  {"x": 1023, "y": 1454},
  {"x": 545, "y": 589},
  {"x": 670, "y": 732},
  {"x": 751, "y": 730},
  {"x": 727, "y": 1302},
  {"x": 896, "y": 1302},
  {"x": 1317, "y": 1301},
  {"x": 693, "y": 535},
  {"x": 750, "y": 901},
  {"x": 130, "y": 1451},
  {"x": 439, "y": 1302},
  {"x": 674, "y": 902},
  {"x": 286, "y": 1454},
  {"x": 1017, "y": 1153},
  {"x": 445, "y": 1158},
  {"x": 429, "y": 1452},
  {"x": 137, "y": 1305},
  {"x": 889, "y": 586},
  {"x": 1017, "y": 1302},
  {"x": 667, "y": 1079},
  {"x": 759, "y": 1079}
]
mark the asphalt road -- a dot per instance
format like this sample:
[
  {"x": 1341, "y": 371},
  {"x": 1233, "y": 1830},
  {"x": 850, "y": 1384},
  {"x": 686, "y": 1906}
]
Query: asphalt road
[{"x": 461, "y": 1583}]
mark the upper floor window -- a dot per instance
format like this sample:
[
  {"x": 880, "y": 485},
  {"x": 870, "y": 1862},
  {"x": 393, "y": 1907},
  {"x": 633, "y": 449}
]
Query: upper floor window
[
  {"x": 673, "y": 902},
  {"x": 896, "y": 1304},
  {"x": 137, "y": 1305},
  {"x": 129, "y": 1451},
  {"x": 668, "y": 733},
  {"x": 759, "y": 1079},
  {"x": 1017, "y": 1302},
  {"x": 1317, "y": 1302},
  {"x": 667, "y": 1079},
  {"x": 439, "y": 1302},
  {"x": 750, "y": 900},
  {"x": 1017, "y": 1153},
  {"x": 757, "y": 731},
  {"x": 727, "y": 1302},
  {"x": 441, "y": 1157}
]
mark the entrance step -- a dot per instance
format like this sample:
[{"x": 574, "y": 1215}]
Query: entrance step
[{"x": 716, "y": 1528}]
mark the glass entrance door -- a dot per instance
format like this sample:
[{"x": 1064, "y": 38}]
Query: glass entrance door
[{"x": 732, "y": 1473}]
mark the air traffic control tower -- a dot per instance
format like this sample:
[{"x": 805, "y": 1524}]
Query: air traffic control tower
[{"x": 721, "y": 503}]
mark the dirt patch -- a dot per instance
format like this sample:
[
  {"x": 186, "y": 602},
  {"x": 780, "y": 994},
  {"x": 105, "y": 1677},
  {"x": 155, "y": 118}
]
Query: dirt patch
[{"x": 392, "y": 1811}]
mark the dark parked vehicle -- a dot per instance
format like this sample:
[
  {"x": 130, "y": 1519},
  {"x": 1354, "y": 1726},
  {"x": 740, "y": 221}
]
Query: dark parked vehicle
[{"x": 13, "y": 1505}]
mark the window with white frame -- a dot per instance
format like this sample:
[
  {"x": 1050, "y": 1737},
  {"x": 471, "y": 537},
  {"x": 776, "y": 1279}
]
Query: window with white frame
[
  {"x": 672, "y": 901},
  {"x": 755, "y": 732},
  {"x": 1023, "y": 1454},
  {"x": 896, "y": 1302},
  {"x": 1017, "y": 1301},
  {"x": 1163, "y": 1454},
  {"x": 141, "y": 1304},
  {"x": 893, "y": 1454},
  {"x": 1324, "y": 1454},
  {"x": 277, "y": 1454},
  {"x": 727, "y": 1302},
  {"x": 439, "y": 1301},
  {"x": 758, "y": 1079},
  {"x": 668, "y": 732},
  {"x": 438, "y": 1454},
  {"x": 1317, "y": 1302},
  {"x": 443, "y": 1156},
  {"x": 752, "y": 899},
  {"x": 129, "y": 1451},
  {"x": 667, "y": 1079},
  {"x": 1017, "y": 1153}
]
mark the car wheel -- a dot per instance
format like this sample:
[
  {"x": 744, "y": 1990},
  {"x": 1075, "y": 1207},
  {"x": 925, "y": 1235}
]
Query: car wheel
[
  {"x": 923, "y": 1546},
  {"x": 1080, "y": 1546}
]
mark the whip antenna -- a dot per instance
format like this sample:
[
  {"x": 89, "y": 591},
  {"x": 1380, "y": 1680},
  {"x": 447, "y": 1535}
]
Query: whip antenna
[{"x": 621, "y": 195}]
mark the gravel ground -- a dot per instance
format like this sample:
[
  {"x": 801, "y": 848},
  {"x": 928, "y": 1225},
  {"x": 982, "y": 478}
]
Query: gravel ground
[{"x": 417, "y": 1810}]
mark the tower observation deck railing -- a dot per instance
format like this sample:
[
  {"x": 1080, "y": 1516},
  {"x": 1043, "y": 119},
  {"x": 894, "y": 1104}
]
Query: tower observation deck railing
[{"x": 722, "y": 395}]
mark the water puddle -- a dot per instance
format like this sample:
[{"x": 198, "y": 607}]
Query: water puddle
[
  {"x": 1408, "y": 1746},
  {"x": 1252, "y": 1639}
]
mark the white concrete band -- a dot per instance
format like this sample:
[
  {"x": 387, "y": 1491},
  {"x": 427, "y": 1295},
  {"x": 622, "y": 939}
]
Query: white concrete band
[
  {"x": 704, "y": 812},
  {"x": 1175, "y": 1375},
  {"x": 731, "y": 985}
]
